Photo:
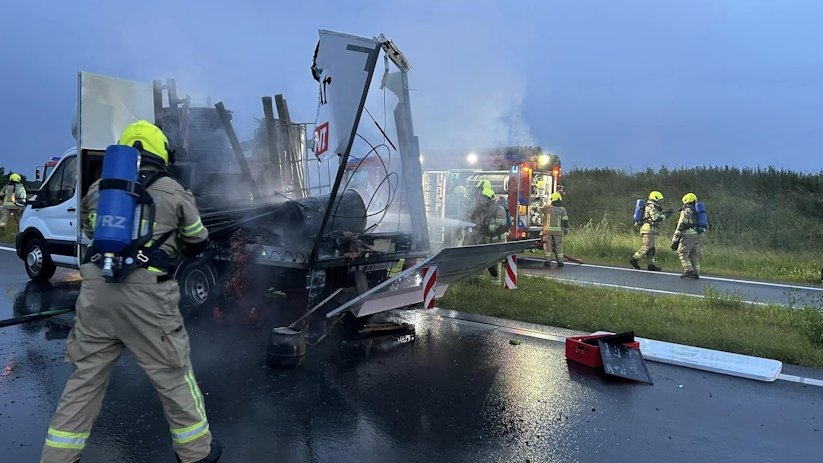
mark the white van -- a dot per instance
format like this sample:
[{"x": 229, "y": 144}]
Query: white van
[{"x": 48, "y": 226}]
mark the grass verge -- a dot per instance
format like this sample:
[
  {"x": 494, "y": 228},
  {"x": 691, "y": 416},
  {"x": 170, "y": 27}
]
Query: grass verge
[{"x": 792, "y": 335}]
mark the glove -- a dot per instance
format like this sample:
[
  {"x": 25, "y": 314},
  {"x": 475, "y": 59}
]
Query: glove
[
  {"x": 668, "y": 213},
  {"x": 675, "y": 244}
]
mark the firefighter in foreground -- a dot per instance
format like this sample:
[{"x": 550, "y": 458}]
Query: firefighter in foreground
[
  {"x": 653, "y": 217},
  {"x": 490, "y": 222},
  {"x": 555, "y": 226},
  {"x": 688, "y": 237},
  {"x": 14, "y": 198},
  {"x": 137, "y": 312}
]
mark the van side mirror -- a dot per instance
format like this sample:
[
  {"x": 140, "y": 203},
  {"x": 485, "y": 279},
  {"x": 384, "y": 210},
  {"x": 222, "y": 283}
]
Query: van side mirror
[
  {"x": 36, "y": 174},
  {"x": 37, "y": 200}
]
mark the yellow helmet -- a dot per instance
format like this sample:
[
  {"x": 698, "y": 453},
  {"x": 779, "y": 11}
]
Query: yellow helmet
[
  {"x": 488, "y": 192},
  {"x": 689, "y": 198},
  {"x": 555, "y": 197},
  {"x": 656, "y": 196},
  {"x": 460, "y": 190},
  {"x": 483, "y": 184},
  {"x": 150, "y": 137},
  {"x": 15, "y": 178}
]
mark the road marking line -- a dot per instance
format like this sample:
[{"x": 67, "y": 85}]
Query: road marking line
[
  {"x": 632, "y": 288},
  {"x": 800, "y": 380},
  {"x": 3, "y": 248},
  {"x": 731, "y": 280},
  {"x": 553, "y": 337}
]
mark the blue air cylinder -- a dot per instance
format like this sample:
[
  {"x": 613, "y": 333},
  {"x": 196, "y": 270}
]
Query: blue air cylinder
[
  {"x": 639, "y": 210},
  {"x": 702, "y": 219},
  {"x": 116, "y": 208}
]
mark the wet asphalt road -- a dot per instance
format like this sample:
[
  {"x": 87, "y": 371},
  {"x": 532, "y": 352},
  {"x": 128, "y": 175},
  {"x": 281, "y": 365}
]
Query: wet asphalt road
[
  {"x": 671, "y": 283},
  {"x": 456, "y": 391}
]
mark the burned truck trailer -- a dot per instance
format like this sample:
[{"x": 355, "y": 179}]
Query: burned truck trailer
[{"x": 288, "y": 207}]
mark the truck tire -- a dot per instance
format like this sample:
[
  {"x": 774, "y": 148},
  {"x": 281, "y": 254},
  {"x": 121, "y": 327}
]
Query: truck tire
[
  {"x": 38, "y": 261},
  {"x": 199, "y": 287}
]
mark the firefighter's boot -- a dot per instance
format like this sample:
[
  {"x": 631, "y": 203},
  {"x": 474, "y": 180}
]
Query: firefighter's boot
[
  {"x": 560, "y": 264},
  {"x": 635, "y": 263},
  {"x": 547, "y": 263},
  {"x": 691, "y": 274},
  {"x": 654, "y": 268},
  {"x": 214, "y": 454}
]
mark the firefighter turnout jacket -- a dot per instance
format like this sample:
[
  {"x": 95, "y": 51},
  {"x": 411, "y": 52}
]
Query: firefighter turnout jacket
[
  {"x": 489, "y": 219},
  {"x": 687, "y": 223},
  {"x": 556, "y": 220},
  {"x": 653, "y": 217},
  {"x": 14, "y": 195},
  {"x": 176, "y": 212}
]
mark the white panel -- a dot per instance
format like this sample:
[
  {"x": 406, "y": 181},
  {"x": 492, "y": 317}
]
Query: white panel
[
  {"x": 108, "y": 105},
  {"x": 344, "y": 65}
]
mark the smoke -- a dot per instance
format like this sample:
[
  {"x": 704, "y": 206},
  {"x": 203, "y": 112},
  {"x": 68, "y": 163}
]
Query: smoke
[{"x": 469, "y": 74}]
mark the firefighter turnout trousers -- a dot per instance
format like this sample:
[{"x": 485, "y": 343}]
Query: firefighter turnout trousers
[
  {"x": 5, "y": 215},
  {"x": 140, "y": 315},
  {"x": 648, "y": 249},
  {"x": 553, "y": 243},
  {"x": 689, "y": 251}
]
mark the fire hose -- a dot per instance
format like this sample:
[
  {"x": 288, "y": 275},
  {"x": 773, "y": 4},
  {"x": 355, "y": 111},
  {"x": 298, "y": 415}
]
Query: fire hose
[{"x": 33, "y": 317}]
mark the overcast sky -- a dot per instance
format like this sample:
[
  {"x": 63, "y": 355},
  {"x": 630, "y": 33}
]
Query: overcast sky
[{"x": 629, "y": 84}]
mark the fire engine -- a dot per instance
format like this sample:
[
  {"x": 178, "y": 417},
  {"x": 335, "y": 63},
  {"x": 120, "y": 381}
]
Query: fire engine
[{"x": 522, "y": 179}]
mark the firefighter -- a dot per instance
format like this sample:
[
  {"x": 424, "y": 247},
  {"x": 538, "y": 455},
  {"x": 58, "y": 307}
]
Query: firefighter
[
  {"x": 14, "y": 198},
  {"x": 475, "y": 197},
  {"x": 653, "y": 217},
  {"x": 555, "y": 227},
  {"x": 490, "y": 223},
  {"x": 139, "y": 314},
  {"x": 456, "y": 209},
  {"x": 688, "y": 238}
]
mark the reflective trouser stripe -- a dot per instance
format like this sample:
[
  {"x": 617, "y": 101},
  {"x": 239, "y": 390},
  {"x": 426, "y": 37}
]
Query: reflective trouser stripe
[
  {"x": 195, "y": 393},
  {"x": 192, "y": 229},
  {"x": 66, "y": 440},
  {"x": 190, "y": 433},
  {"x": 183, "y": 435}
]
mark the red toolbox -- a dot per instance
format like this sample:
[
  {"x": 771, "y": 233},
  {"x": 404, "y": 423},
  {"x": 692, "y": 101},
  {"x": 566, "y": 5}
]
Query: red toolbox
[{"x": 585, "y": 350}]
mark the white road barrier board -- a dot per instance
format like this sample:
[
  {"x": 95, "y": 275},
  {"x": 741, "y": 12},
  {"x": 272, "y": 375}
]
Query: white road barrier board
[{"x": 726, "y": 363}]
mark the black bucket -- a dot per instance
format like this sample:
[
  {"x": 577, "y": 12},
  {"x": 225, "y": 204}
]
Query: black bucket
[{"x": 286, "y": 348}]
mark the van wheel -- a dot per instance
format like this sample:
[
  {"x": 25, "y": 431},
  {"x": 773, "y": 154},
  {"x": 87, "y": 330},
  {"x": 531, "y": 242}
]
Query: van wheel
[
  {"x": 198, "y": 287},
  {"x": 38, "y": 261}
]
